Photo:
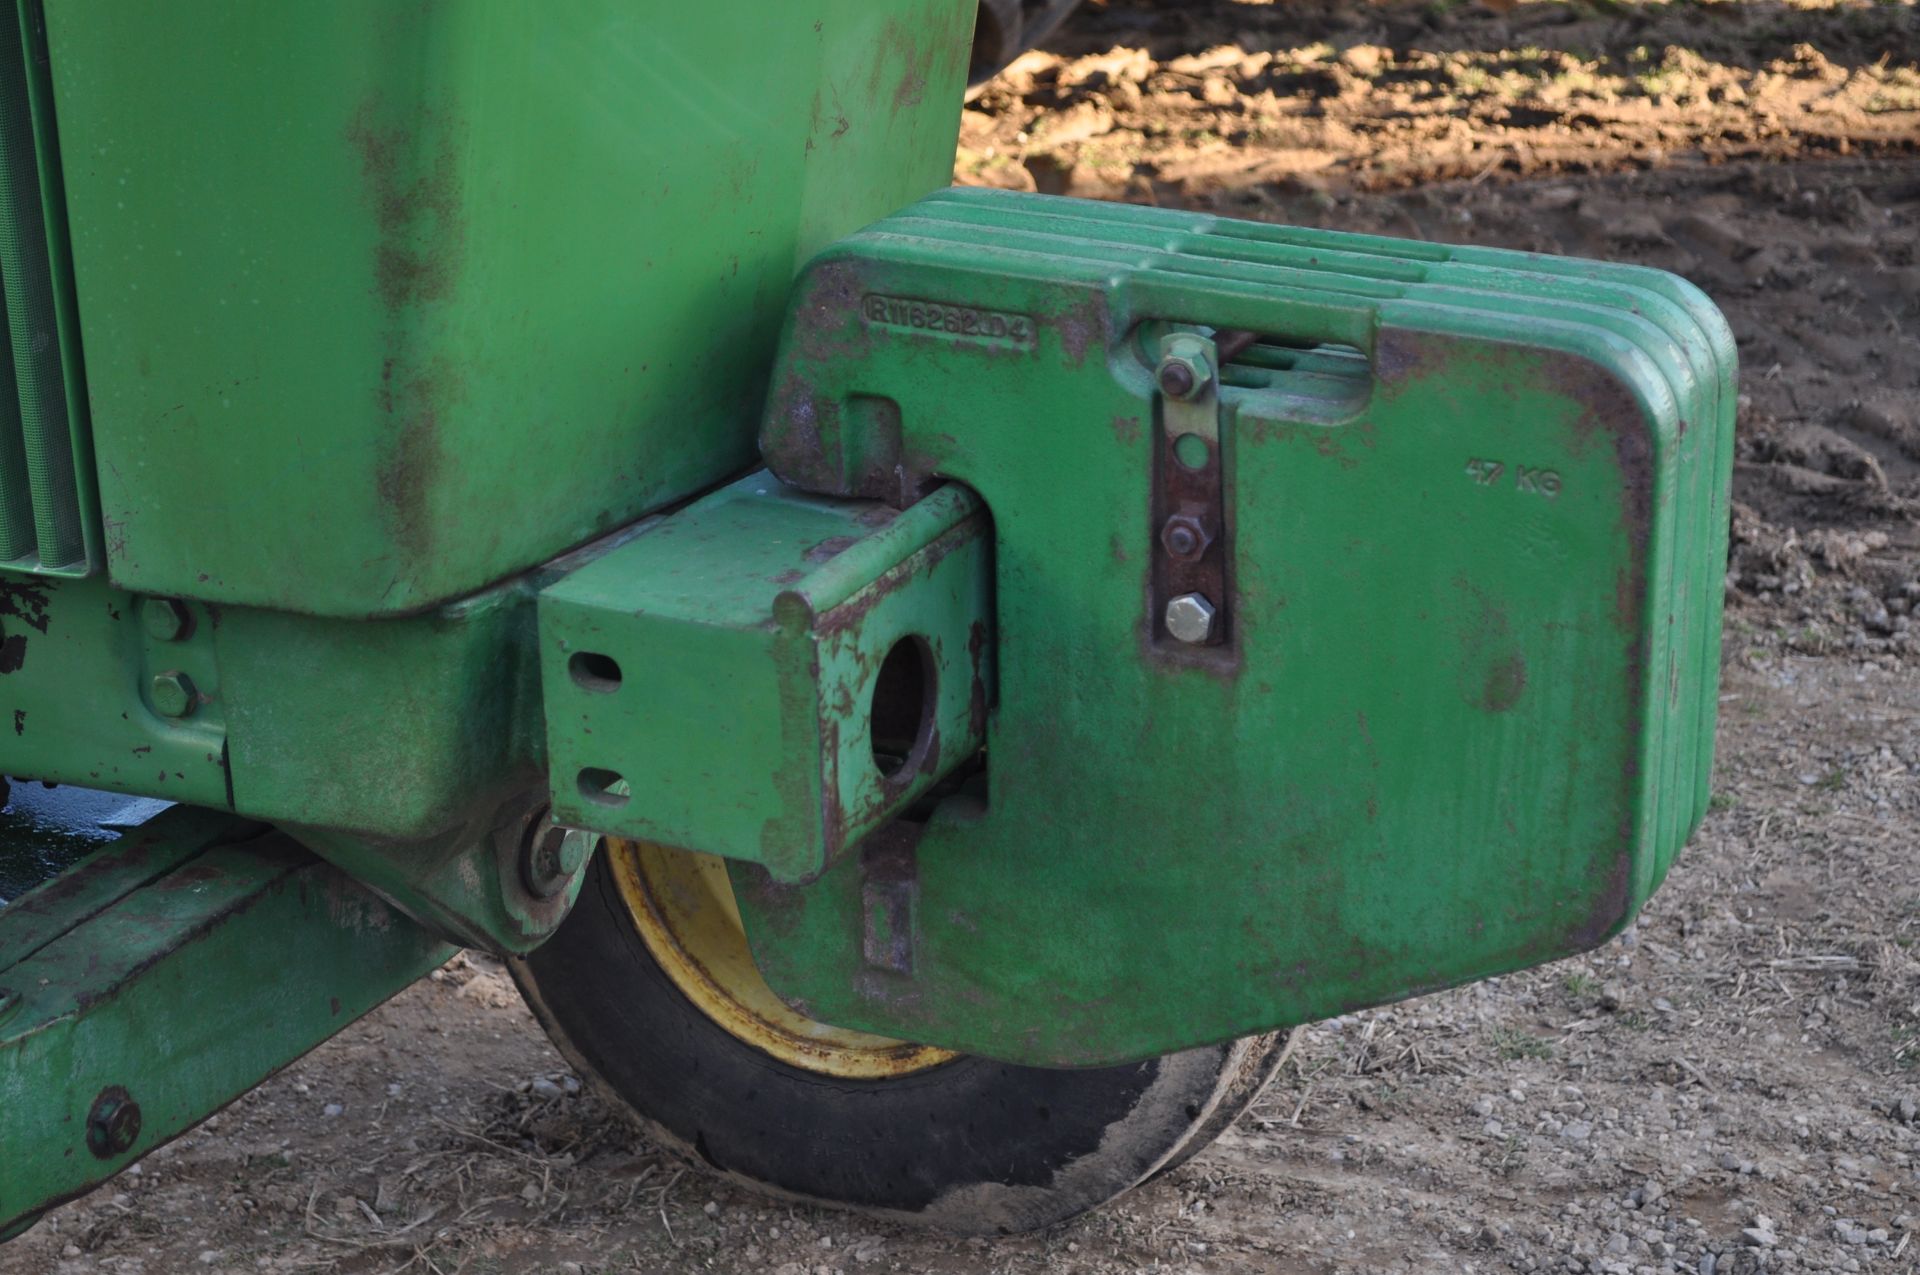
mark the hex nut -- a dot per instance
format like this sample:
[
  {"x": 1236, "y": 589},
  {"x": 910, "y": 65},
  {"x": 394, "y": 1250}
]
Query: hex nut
[
  {"x": 1190, "y": 619},
  {"x": 1185, "y": 537},
  {"x": 173, "y": 694},
  {"x": 113, "y": 1123},
  {"x": 552, "y": 857},
  {"x": 1183, "y": 377},
  {"x": 165, "y": 619}
]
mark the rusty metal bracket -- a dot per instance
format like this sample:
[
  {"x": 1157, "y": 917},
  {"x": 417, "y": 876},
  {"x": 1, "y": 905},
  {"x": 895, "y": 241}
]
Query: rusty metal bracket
[
  {"x": 768, "y": 675},
  {"x": 1190, "y": 596}
]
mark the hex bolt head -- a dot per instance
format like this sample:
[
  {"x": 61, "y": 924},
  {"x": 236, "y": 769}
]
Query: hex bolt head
[
  {"x": 1190, "y": 619},
  {"x": 1185, "y": 537},
  {"x": 113, "y": 1125},
  {"x": 575, "y": 848},
  {"x": 1183, "y": 377},
  {"x": 173, "y": 694},
  {"x": 165, "y": 619},
  {"x": 552, "y": 857}
]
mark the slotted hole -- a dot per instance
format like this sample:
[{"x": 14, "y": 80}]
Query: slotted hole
[
  {"x": 1321, "y": 370},
  {"x": 595, "y": 672},
  {"x": 602, "y": 787}
]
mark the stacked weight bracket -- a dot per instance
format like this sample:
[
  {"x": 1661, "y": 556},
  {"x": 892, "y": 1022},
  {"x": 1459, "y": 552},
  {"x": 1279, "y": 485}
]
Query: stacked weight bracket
[
  {"x": 1667, "y": 318},
  {"x": 1455, "y": 714}
]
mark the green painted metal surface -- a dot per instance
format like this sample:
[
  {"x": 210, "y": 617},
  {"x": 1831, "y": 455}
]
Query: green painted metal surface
[
  {"x": 137, "y": 1001},
  {"x": 76, "y": 699},
  {"x": 397, "y": 730},
  {"x": 49, "y": 509},
  {"x": 400, "y": 730},
  {"x": 1461, "y": 715},
  {"x": 403, "y": 750},
  {"x": 472, "y": 886},
  {"x": 727, "y": 681},
  {"x": 384, "y": 302},
  {"x": 1377, "y": 655}
]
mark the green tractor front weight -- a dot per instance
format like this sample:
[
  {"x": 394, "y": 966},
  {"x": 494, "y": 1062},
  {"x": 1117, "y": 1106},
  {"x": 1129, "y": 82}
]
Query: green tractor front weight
[{"x": 962, "y": 672}]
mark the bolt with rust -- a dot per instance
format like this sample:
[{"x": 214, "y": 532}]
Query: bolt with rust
[
  {"x": 1190, "y": 619},
  {"x": 1183, "y": 376},
  {"x": 173, "y": 694},
  {"x": 114, "y": 1123},
  {"x": 165, "y": 619},
  {"x": 552, "y": 856},
  {"x": 1185, "y": 537}
]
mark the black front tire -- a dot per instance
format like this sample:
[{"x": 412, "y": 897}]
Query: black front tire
[{"x": 968, "y": 1145}]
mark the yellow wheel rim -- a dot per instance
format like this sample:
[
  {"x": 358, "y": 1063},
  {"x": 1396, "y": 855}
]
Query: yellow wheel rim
[{"x": 683, "y": 907}]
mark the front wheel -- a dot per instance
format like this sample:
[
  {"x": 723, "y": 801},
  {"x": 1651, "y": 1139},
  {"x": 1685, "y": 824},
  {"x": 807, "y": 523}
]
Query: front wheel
[{"x": 648, "y": 988}]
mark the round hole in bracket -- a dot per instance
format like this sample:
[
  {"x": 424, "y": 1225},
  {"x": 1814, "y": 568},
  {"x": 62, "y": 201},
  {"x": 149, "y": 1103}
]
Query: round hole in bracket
[
  {"x": 1192, "y": 451},
  {"x": 592, "y": 671},
  {"x": 900, "y": 721}
]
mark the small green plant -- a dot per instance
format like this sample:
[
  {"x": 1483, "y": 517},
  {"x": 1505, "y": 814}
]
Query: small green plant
[
  {"x": 1472, "y": 79},
  {"x": 1579, "y": 985},
  {"x": 1906, "y": 1046},
  {"x": 1382, "y": 1098},
  {"x": 1721, "y": 801},
  {"x": 1895, "y": 97},
  {"x": 1511, "y": 1043}
]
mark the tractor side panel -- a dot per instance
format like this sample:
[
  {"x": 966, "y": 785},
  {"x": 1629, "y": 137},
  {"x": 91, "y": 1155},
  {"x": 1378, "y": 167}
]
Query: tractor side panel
[{"x": 383, "y": 302}]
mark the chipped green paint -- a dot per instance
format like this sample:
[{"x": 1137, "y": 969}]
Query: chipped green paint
[
  {"x": 483, "y": 285},
  {"x": 142, "y": 1002},
  {"x": 398, "y": 729},
  {"x": 461, "y": 284},
  {"x": 480, "y": 285},
  {"x": 1460, "y": 723},
  {"x": 77, "y": 674},
  {"x": 403, "y": 745},
  {"x": 725, "y": 668}
]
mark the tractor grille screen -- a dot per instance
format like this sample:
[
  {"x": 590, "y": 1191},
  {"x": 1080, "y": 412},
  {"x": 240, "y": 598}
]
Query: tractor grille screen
[{"x": 42, "y": 527}]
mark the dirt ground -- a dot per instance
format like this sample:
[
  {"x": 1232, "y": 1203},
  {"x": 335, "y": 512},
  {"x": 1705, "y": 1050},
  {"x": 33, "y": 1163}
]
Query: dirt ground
[{"x": 1732, "y": 1086}]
